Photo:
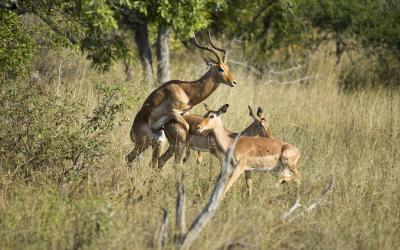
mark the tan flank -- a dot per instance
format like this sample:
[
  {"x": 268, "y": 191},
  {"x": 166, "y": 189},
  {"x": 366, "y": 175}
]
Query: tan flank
[
  {"x": 253, "y": 153},
  {"x": 180, "y": 141}
]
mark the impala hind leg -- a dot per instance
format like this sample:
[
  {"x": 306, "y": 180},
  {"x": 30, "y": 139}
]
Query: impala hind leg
[
  {"x": 158, "y": 142},
  {"x": 165, "y": 157},
  {"x": 178, "y": 153},
  {"x": 137, "y": 151},
  {"x": 247, "y": 175},
  {"x": 290, "y": 157},
  {"x": 284, "y": 176},
  {"x": 140, "y": 136},
  {"x": 199, "y": 158},
  {"x": 187, "y": 154}
]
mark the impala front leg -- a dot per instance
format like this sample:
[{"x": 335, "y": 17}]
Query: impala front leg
[
  {"x": 247, "y": 175},
  {"x": 178, "y": 118}
]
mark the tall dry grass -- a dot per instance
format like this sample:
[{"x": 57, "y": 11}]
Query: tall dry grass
[{"x": 354, "y": 136}]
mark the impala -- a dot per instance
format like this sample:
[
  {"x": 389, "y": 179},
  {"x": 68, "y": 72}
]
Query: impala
[
  {"x": 180, "y": 141},
  {"x": 253, "y": 153},
  {"x": 172, "y": 99}
]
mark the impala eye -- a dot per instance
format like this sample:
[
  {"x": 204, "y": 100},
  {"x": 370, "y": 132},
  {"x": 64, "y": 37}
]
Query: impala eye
[
  {"x": 212, "y": 116},
  {"x": 220, "y": 69}
]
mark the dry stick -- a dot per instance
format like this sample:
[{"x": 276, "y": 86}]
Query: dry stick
[
  {"x": 180, "y": 211},
  {"x": 273, "y": 72},
  {"x": 276, "y": 82},
  {"x": 297, "y": 204},
  {"x": 212, "y": 205},
  {"x": 251, "y": 68},
  {"x": 163, "y": 231}
]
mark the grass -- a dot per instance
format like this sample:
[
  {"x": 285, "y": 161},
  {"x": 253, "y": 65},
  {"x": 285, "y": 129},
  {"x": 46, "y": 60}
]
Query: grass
[{"x": 350, "y": 135}]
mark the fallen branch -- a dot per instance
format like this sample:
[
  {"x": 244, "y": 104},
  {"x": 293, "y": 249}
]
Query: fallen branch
[
  {"x": 249, "y": 67},
  {"x": 273, "y": 72},
  {"x": 276, "y": 82},
  {"x": 163, "y": 232},
  {"x": 180, "y": 212},
  {"x": 287, "y": 216},
  {"x": 209, "y": 210}
]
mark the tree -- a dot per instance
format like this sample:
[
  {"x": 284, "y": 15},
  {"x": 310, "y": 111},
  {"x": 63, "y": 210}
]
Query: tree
[
  {"x": 182, "y": 17},
  {"x": 90, "y": 25}
]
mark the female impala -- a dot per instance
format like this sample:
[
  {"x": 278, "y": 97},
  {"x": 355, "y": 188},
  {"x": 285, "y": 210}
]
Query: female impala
[
  {"x": 172, "y": 99},
  {"x": 179, "y": 140},
  {"x": 253, "y": 153}
]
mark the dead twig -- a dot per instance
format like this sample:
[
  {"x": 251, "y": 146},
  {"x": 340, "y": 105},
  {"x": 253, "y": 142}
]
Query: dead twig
[
  {"x": 209, "y": 210},
  {"x": 247, "y": 66},
  {"x": 296, "y": 81},
  {"x": 180, "y": 211},
  {"x": 163, "y": 232},
  {"x": 287, "y": 216}
]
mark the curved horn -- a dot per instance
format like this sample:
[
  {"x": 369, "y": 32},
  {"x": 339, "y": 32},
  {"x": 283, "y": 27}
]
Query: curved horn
[
  {"x": 207, "y": 108},
  {"x": 224, "y": 56},
  {"x": 207, "y": 48}
]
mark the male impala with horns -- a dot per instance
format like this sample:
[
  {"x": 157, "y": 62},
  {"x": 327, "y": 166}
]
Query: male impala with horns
[{"x": 172, "y": 99}]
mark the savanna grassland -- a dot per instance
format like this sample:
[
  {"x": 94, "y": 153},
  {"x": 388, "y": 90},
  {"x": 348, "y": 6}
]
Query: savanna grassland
[{"x": 97, "y": 203}]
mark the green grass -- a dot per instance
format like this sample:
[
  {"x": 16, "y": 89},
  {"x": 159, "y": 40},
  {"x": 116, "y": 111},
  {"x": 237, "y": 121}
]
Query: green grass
[{"x": 354, "y": 136}]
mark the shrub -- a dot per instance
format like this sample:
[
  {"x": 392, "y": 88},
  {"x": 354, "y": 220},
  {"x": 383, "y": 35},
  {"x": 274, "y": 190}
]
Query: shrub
[{"x": 40, "y": 131}]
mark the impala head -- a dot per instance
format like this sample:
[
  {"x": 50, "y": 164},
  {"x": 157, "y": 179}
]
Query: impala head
[
  {"x": 212, "y": 119},
  {"x": 260, "y": 125},
  {"x": 218, "y": 67}
]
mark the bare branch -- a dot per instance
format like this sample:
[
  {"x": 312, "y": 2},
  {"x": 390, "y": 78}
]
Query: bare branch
[
  {"x": 249, "y": 67},
  {"x": 306, "y": 209},
  {"x": 180, "y": 211},
  {"x": 323, "y": 196},
  {"x": 276, "y": 82},
  {"x": 273, "y": 72},
  {"x": 209, "y": 210},
  {"x": 163, "y": 230},
  {"x": 295, "y": 206}
]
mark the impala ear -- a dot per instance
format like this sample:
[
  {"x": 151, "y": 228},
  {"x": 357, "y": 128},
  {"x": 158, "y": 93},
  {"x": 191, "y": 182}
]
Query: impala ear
[
  {"x": 260, "y": 112},
  {"x": 251, "y": 112},
  {"x": 223, "y": 109},
  {"x": 210, "y": 62}
]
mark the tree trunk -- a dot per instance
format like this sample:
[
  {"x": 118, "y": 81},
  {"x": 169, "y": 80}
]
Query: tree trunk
[
  {"x": 143, "y": 45},
  {"x": 163, "y": 64}
]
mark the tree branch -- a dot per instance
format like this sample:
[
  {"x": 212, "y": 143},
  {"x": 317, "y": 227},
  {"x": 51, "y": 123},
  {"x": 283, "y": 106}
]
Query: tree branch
[
  {"x": 180, "y": 211},
  {"x": 287, "y": 216},
  {"x": 163, "y": 232},
  {"x": 209, "y": 210}
]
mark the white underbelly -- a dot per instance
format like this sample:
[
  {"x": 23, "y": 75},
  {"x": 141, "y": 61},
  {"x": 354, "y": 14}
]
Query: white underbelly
[{"x": 159, "y": 136}]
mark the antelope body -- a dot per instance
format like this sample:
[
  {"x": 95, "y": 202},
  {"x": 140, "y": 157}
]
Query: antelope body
[
  {"x": 253, "y": 153},
  {"x": 171, "y": 100},
  {"x": 180, "y": 140}
]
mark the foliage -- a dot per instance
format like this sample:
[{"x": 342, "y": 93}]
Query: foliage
[
  {"x": 352, "y": 135},
  {"x": 16, "y": 46},
  {"x": 40, "y": 131}
]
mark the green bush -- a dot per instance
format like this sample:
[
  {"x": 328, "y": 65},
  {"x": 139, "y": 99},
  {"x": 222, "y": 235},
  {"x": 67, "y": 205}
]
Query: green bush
[{"x": 41, "y": 131}]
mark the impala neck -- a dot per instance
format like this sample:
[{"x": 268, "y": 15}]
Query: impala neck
[
  {"x": 221, "y": 138},
  {"x": 199, "y": 90}
]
